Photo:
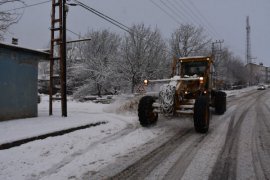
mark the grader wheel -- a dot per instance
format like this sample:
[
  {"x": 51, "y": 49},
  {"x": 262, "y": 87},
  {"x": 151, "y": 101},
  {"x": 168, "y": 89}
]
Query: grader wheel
[
  {"x": 145, "y": 111},
  {"x": 220, "y": 102},
  {"x": 201, "y": 114}
]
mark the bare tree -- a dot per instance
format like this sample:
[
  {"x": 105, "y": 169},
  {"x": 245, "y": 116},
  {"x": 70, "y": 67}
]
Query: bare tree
[
  {"x": 143, "y": 56},
  {"x": 231, "y": 68},
  {"x": 188, "y": 40},
  {"x": 8, "y": 18}
]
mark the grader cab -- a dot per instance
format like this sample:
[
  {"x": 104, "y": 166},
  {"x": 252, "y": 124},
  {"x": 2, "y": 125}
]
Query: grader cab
[{"x": 190, "y": 90}]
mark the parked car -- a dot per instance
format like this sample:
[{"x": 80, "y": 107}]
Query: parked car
[{"x": 261, "y": 87}]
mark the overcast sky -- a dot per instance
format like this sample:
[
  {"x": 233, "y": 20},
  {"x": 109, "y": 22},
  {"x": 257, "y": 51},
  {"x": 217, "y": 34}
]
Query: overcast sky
[{"x": 221, "y": 19}]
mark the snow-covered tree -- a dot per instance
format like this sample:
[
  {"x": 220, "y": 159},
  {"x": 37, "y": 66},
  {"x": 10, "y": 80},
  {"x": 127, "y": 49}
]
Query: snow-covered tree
[
  {"x": 143, "y": 56},
  {"x": 74, "y": 63},
  {"x": 189, "y": 40},
  {"x": 94, "y": 67},
  {"x": 8, "y": 18}
]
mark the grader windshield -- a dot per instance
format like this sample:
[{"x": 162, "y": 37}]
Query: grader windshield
[{"x": 192, "y": 68}]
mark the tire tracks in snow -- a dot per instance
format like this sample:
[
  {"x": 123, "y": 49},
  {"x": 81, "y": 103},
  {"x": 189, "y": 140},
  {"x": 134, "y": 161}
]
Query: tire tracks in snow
[
  {"x": 176, "y": 152},
  {"x": 147, "y": 163},
  {"x": 226, "y": 165},
  {"x": 261, "y": 142}
]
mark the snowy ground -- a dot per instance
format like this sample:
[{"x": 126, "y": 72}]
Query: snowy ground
[{"x": 71, "y": 155}]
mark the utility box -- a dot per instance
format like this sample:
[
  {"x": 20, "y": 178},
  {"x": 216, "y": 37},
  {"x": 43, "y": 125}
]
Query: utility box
[{"x": 18, "y": 81}]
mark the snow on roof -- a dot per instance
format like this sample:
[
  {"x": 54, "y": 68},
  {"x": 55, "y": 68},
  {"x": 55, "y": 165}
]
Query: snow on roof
[
  {"x": 193, "y": 57},
  {"x": 11, "y": 46}
]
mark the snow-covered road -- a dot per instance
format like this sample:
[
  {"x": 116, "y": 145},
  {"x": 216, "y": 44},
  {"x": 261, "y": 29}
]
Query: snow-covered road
[{"x": 123, "y": 149}]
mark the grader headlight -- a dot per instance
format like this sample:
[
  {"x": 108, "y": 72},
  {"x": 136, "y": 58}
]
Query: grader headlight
[
  {"x": 201, "y": 80},
  {"x": 145, "y": 82}
]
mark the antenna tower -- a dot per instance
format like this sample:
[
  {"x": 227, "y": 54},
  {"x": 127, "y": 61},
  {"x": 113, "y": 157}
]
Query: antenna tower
[{"x": 248, "y": 48}]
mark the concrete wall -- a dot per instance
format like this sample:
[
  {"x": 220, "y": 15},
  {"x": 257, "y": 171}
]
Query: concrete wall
[{"x": 18, "y": 83}]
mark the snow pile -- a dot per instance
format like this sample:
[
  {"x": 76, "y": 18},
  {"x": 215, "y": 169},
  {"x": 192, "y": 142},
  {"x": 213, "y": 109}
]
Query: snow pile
[
  {"x": 128, "y": 104},
  {"x": 124, "y": 105},
  {"x": 239, "y": 91}
]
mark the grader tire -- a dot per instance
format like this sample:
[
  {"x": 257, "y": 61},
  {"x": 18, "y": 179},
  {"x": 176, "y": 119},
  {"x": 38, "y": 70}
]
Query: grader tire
[
  {"x": 201, "y": 114},
  {"x": 145, "y": 111},
  {"x": 220, "y": 102}
]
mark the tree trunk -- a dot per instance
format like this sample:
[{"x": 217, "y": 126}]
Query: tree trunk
[
  {"x": 133, "y": 84},
  {"x": 99, "y": 90}
]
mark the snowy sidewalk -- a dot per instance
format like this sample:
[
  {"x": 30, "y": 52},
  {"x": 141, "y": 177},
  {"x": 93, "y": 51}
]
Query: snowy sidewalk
[{"x": 80, "y": 115}]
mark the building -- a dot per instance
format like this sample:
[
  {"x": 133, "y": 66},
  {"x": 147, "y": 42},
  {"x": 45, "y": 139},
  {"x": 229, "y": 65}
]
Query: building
[
  {"x": 258, "y": 73},
  {"x": 18, "y": 81}
]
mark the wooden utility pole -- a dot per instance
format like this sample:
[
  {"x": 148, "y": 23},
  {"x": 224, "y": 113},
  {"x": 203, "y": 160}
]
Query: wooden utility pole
[
  {"x": 64, "y": 64},
  {"x": 58, "y": 57}
]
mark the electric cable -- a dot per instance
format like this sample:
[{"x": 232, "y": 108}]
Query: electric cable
[
  {"x": 200, "y": 15},
  {"x": 111, "y": 20},
  {"x": 105, "y": 17},
  {"x": 27, "y": 6},
  {"x": 177, "y": 22},
  {"x": 73, "y": 33},
  {"x": 187, "y": 10}
]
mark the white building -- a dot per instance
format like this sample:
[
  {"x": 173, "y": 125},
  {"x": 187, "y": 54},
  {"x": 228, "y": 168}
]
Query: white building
[{"x": 258, "y": 73}]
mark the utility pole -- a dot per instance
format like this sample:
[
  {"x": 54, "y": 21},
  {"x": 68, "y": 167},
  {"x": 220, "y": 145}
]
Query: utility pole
[
  {"x": 218, "y": 51},
  {"x": 63, "y": 65},
  {"x": 248, "y": 53},
  {"x": 58, "y": 38},
  {"x": 216, "y": 59},
  {"x": 248, "y": 48},
  {"x": 219, "y": 47}
]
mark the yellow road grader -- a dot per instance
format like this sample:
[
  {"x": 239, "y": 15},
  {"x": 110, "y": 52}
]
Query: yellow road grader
[{"x": 190, "y": 90}]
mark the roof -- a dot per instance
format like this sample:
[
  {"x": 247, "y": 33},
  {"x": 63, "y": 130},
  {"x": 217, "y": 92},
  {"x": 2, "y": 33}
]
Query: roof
[
  {"x": 43, "y": 54},
  {"x": 257, "y": 65},
  {"x": 196, "y": 58}
]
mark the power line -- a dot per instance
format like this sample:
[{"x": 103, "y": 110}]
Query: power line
[
  {"x": 175, "y": 12},
  {"x": 177, "y": 22},
  {"x": 73, "y": 33},
  {"x": 190, "y": 12},
  {"x": 27, "y": 6},
  {"x": 213, "y": 32},
  {"x": 171, "y": 9},
  {"x": 201, "y": 16},
  {"x": 180, "y": 10},
  {"x": 191, "y": 17},
  {"x": 115, "y": 22},
  {"x": 105, "y": 17}
]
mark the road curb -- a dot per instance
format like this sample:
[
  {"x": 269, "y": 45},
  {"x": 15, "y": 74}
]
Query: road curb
[{"x": 44, "y": 136}]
